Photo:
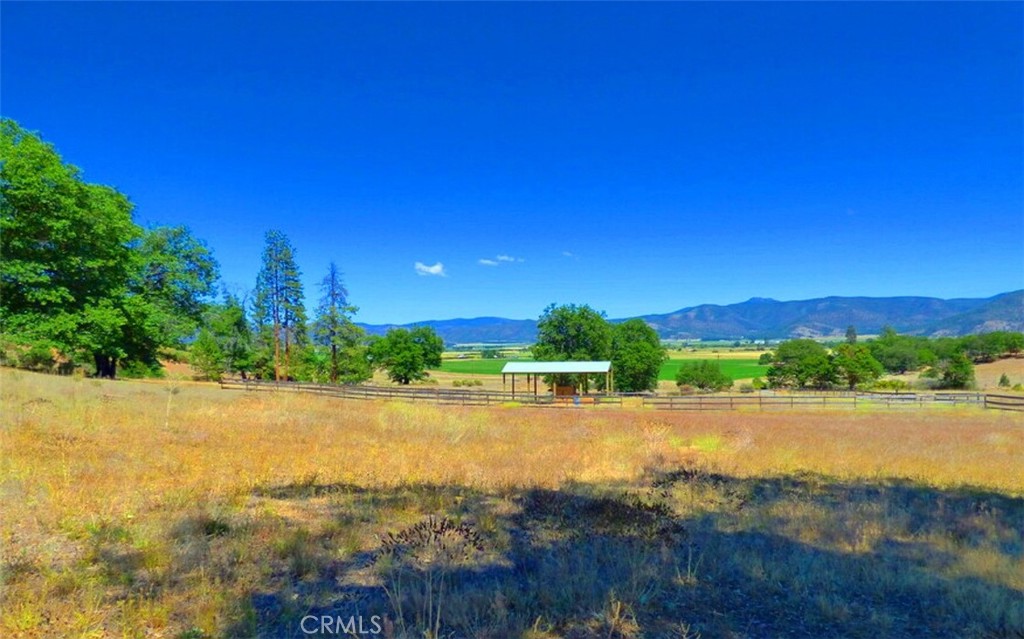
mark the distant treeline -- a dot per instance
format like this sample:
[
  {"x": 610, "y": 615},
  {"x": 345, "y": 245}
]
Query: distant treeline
[{"x": 944, "y": 362}]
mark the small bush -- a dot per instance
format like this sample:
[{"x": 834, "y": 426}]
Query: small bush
[
  {"x": 467, "y": 382},
  {"x": 891, "y": 384},
  {"x": 38, "y": 357},
  {"x": 746, "y": 388},
  {"x": 1004, "y": 381},
  {"x": 141, "y": 370}
]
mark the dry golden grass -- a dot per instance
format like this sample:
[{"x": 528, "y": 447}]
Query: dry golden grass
[
  {"x": 987, "y": 375},
  {"x": 179, "y": 510}
]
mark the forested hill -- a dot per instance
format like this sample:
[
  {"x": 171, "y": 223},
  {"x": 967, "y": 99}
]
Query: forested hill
[{"x": 760, "y": 318}]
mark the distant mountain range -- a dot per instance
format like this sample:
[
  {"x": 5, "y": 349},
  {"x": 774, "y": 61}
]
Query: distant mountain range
[{"x": 762, "y": 318}]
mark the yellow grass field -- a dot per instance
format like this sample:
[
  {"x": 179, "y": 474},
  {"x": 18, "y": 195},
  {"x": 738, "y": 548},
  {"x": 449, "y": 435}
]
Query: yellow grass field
[{"x": 176, "y": 510}]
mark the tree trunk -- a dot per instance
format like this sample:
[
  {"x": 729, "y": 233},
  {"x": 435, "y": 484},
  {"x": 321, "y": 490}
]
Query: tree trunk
[
  {"x": 277, "y": 352},
  {"x": 106, "y": 366},
  {"x": 287, "y": 356},
  {"x": 334, "y": 363}
]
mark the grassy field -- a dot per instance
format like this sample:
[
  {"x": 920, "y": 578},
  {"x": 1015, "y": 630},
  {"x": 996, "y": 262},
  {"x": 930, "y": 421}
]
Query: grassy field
[
  {"x": 178, "y": 510},
  {"x": 736, "y": 368}
]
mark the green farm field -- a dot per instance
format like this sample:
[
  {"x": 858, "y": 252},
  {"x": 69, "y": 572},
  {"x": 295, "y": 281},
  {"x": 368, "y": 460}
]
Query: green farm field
[{"x": 733, "y": 367}]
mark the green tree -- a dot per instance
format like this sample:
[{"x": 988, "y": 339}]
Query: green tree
[
  {"x": 636, "y": 355},
  {"x": 430, "y": 343},
  {"x": 206, "y": 356},
  {"x": 400, "y": 354},
  {"x": 704, "y": 374},
  {"x": 1004, "y": 381},
  {"x": 228, "y": 326},
  {"x": 278, "y": 310},
  {"x": 955, "y": 372},
  {"x": 572, "y": 333},
  {"x": 765, "y": 358},
  {"x": 851, "y": 334},
  {"x": 173, "y": 277},
  {"x": 799, "y": 363},
  {"x": 78, "y": 273},
  {"x": 898, "y": 353},
  {"x": 855, "y": 365},
  {"x": 335, "y": 330}
]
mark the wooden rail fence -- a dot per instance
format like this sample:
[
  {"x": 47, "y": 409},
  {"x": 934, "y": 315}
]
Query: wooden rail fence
[{"x": 749, "y": 401}]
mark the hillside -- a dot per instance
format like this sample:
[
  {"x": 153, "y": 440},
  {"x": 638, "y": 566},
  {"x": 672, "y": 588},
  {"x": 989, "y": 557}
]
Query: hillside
[{"x": 761, "y": 318}]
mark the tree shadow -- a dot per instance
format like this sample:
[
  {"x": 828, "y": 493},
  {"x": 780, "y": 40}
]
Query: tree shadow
[{"x": 591, "y": 561}]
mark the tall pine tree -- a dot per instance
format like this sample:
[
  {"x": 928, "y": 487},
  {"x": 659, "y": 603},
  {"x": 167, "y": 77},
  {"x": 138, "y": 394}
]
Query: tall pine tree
[
  {"x": 334, "y": 327},
  {"x": 278, "y": 310}
]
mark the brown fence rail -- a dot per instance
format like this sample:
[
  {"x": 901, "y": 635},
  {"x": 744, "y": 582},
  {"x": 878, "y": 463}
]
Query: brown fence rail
[
  {"x": 1005, "y": 402},
  {"x": 759, "y": 401}
]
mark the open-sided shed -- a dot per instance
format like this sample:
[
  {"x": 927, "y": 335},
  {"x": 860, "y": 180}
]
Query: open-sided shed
[{"x": 534, "y": 370}]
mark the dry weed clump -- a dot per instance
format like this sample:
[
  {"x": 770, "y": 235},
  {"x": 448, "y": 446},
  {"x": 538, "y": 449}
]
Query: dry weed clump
[{"x": 178, "y": 510}]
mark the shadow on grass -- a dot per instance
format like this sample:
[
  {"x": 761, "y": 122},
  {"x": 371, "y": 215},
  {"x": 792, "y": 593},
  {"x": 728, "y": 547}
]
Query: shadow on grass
[{"x": 686, "y": 554}]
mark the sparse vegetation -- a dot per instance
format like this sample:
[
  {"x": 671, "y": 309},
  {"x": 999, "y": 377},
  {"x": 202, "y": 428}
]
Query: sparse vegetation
[{"x": 247, "y": 512}]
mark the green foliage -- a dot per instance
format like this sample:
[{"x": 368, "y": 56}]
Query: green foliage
[
  {"x": 956, "y": 372},
  {"x": 490, "y": 353},
  {"x": 897, "y": 353},
  {"x": 404, "y": 355},
  {"x": 278, "y": 311},
  {"x": 851, "y": 334},
  {"x": 37, "y": 357},
  {"x": 891, "y": 384},
  {"x": 1004, "y": 381},
  {"x": 207, "y": 356},
  {"x": 79, "y": 273},
  {"x": 766, "y": 358},
  {"x": 758, "y": 384},
  {"x": 987, "y": 347},
  {"x": 854, "y": 364},
  {"x": 227, "y": 324},
  {"x": 135, "y": 369},
  {"x": 799, "y": 363},
  {"x": 458, "y": 383},
  {"x": 572, "y": 333},
  {"x": 637, "y": 355},
  {"x": 703, "y": 374},
  {"x": 335, "y": 330},
  {"x": 430, "y": 343}
]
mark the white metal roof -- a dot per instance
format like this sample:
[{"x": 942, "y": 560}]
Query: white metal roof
[{"x": 549, "y": 368}]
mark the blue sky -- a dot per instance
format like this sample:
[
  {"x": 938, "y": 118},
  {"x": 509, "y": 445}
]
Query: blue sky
[{"x": 636, "y": 157}]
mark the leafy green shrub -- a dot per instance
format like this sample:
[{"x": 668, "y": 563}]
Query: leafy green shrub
[
  {"x": 890, "y": 384},
  {"x": 704, "y": 374},
  {"x": 765, "y": 359},
  {"x": 1004, "y": 381},
  {"x": 467, "y": 382},
  {"x": 140, "y": 370},
  {"x": 38, "y": 357}
]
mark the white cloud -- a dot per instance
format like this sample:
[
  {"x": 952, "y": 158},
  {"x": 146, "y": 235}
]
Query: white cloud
[
  {"x": 499, "y": 259},
  {"x": 436, "y": 269},
  {"x": 568, "y": 254}
]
